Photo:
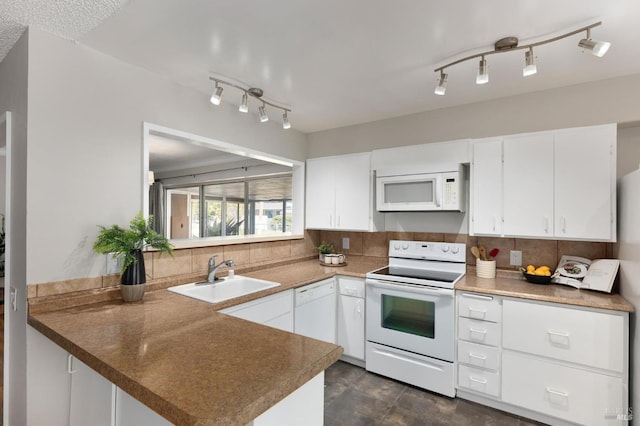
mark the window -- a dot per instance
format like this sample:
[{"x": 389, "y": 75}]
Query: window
[{"x": 256, "y": 206}]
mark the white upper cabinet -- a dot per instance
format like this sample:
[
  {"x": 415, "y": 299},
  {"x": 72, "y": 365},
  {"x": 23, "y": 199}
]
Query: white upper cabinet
[
  {"x": 339, "y": 193},
  {"x": 558, "y": 184},
  {"x": 528, "y": 185},
  {"x": 486, "y": 187},
  {"x": 585, "y": 190}
]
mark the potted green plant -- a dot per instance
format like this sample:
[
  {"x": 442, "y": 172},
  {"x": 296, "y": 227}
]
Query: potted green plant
[
  {"x": 323, "y": 249},
  {"x": 128, "y": 244}
]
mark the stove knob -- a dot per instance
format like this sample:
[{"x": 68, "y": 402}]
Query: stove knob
[
  {"x": 445, "y": 248},
  {"x": 455, "y": 250},
  {"x": 396, "y": 246},
  {"x": 405, "y": 246}
]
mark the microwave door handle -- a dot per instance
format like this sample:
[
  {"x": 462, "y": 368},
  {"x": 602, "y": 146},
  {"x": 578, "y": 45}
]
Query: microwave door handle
[{"x": 436, "y": 186}]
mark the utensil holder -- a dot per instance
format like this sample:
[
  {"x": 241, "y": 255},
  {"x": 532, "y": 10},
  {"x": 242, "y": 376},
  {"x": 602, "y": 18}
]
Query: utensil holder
[{"x": 485, "y": 268}]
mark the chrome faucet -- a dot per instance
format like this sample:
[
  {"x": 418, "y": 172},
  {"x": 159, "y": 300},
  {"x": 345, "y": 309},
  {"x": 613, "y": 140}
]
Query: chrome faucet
[{"x": 213, "y": 268}]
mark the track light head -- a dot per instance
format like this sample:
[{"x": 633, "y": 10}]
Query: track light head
[
  {"x": 529, "y": 63},
  {"x": 244, "y": 106},
  {"x": 483, "y": 72},
  {"x": 216, "y": 97},
  {"x": 285, "y": 121},
  {"x": 263, "y": 114},
  {"x": 595, "y": 47},
  {"x": 441, "y": 88}
]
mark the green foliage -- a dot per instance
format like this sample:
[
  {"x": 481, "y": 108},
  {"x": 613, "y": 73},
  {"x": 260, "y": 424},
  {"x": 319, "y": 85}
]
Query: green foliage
[
  {"x": 122, "y": 242},
  {"x": 325, "y": 247},
  {"x": 232, "y": 226}
]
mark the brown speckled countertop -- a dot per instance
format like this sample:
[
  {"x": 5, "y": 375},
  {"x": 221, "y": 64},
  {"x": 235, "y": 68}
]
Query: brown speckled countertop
[
  {"x": 195, "y": 366},
  {"x": 513, "y": 285},
  {"x": 189, "y": 363}
]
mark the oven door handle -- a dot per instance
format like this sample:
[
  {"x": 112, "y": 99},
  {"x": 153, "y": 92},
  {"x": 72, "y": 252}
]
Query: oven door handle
[{"x": 410, "y": 288}]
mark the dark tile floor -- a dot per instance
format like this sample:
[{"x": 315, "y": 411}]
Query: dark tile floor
[{"x": 353, "y": 396}]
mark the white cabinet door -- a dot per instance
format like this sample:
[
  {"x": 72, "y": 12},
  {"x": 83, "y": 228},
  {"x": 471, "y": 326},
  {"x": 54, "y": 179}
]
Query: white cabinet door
[
  {"x": 92, "y": 396},
  {"x": 585, "y": 183},
  {"x": 351, "y": 326},
  {"x": 275, "y": 310},
  {"x": 528, "y": 185},
  {"x": 320, "y": 194},
  {"x": 48, "y": 381},
  {"x": 339, "y": 192},
  {"x": 131, "y": 412},
  {"x": 486, "y": 187},
  {"x": 353, "y": 194}
]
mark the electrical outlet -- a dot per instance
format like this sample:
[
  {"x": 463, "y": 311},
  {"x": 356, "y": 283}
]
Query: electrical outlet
[
  {"x": 113, "y": 264},
  {"x": 345, "y": 243},
  {"x": 515, "y": 258},
  {"x": 14, "y": 299}
]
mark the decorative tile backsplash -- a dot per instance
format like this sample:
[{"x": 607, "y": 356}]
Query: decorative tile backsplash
[{"x": 192, "y": 263}]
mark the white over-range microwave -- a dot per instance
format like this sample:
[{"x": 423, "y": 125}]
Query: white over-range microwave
[{"x": 414, "y": 189}]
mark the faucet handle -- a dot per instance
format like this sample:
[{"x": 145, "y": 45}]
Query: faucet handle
[{"x": 212, "y": 261}]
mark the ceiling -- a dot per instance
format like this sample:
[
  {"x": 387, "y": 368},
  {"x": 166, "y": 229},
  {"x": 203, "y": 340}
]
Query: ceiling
[{"x": 335, "y": 62}]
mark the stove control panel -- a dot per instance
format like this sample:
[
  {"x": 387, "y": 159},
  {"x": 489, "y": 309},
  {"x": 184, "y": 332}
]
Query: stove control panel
[{"x": 447, "y": 252}]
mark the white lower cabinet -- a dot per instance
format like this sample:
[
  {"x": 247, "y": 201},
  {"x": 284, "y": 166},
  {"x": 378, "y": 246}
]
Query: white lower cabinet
[
  {"x": 351, "y": 317},
  {"x": 555, "y": 363},
  {"x": 91, "y": 397},
  {"x": 561, "y": 391},
  {"x": 131, "y": 412},
  {"x": 275, "y": 310}
]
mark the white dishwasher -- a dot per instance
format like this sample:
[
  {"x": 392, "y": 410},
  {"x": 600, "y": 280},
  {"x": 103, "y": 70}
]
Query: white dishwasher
[{"x": 315, "y": 310}]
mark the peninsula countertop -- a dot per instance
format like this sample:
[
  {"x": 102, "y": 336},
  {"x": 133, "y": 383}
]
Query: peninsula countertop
[{"x": 189, "y": 363}]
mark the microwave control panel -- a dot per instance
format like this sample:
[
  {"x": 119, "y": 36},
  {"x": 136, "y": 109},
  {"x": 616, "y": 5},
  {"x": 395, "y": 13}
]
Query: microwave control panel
[{"x": 451, "y": 188}]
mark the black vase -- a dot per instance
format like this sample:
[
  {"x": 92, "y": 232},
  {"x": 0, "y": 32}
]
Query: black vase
[{"x": 135, "y": 274}]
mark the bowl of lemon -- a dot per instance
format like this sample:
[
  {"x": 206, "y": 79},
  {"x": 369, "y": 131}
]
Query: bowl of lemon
[{"x": 537, "y": 275}]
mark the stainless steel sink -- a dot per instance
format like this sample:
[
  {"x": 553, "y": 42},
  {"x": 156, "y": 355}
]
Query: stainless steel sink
[{"x": 224, "y": 289}]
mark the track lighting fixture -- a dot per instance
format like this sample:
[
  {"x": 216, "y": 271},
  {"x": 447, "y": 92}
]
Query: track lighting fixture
[
  {"x": 529, "y": 63},
  {"x": 441, "y": 88},
  {"x": 597, "y": 48},
  {"x": 285, "y": 121},
  {"x": 216, "y": 97},
  {"x": 254, "y": 92},
  {"x": 507, "y": 44},
  {"x": 483, "y": 72},
  {"x": 263, "y": 114},
  {"x": 244, "y": 106}
]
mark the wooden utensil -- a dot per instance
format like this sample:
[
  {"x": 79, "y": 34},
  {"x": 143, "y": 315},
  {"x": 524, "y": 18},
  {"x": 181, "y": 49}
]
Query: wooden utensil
[
  {"x": 483, "y": 253},
  {"x": 475, "y": 252}
]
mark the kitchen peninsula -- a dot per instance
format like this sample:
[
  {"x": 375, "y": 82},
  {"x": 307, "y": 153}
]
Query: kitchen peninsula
[{"x": 186, "y": 361}]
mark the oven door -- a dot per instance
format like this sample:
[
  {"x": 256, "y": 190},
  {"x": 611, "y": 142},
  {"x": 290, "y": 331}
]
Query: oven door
[{"x": 413, "y": 318}]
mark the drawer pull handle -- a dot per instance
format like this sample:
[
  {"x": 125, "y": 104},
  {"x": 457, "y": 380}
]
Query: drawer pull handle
[
  {"x": 481, "y": 381},
  {"x": 556, "y": 392},
  {"x": 475, "y": 330},
  {"x": 558, "y": 333},
  {"x": 479, "y": 313},
  {"x": 70, "y": 368},
  {"x": 482, "y": 357}
]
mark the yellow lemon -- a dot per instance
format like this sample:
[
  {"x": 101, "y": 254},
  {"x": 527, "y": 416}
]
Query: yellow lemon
[{"x": 530, "y": 269}]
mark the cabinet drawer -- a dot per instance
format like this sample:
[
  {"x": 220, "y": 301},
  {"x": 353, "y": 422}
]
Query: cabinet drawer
[
  {"x": 484, "y": 332},
  {"x": 478, "y": 355},
  {"x": 351, "y": 286},
  {"x": 568, "y": 393},
  {"x": 487, "y": 382},
  {"x": 479, "y": 307},
  {"x": 590, "y": 338}
]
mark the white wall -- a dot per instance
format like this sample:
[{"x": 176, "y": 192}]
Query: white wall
[
  {"x": 85, "y": 147},
  {"x": 13, "y": 98},
  {"x": 607, "y": 101},
  {"x": 628, "y": 150}
]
